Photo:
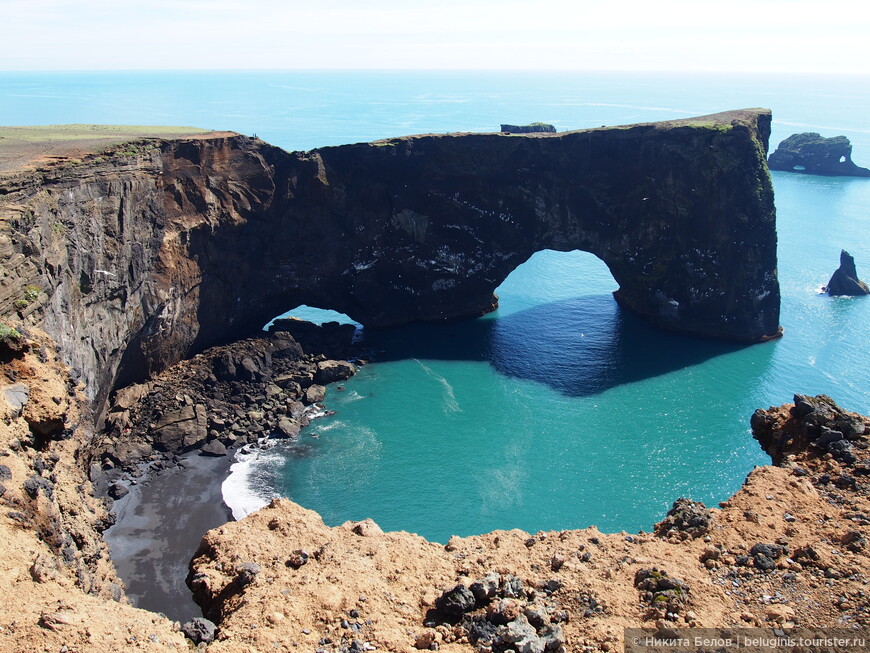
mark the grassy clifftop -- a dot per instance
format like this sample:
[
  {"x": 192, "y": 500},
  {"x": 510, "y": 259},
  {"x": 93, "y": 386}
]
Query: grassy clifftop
[{"x": 26, "y": 146}]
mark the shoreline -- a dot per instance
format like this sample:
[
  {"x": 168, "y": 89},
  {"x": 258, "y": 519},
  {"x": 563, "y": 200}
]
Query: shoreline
[
  {"x": 158, "y": 529},
  {"x": 166, "y": 512}
]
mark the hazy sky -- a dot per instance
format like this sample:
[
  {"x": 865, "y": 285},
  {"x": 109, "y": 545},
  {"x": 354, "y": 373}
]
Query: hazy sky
[{"x": 738, "y": 35}]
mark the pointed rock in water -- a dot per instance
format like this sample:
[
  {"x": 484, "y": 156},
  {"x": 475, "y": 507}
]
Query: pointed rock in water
[{"x": 845, "y": 278}]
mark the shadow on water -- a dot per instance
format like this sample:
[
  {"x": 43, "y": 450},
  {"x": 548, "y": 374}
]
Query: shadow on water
[{"x": 579, "y": 347}]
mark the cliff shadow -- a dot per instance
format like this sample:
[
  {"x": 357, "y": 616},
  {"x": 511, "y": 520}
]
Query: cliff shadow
[{"x": 579, "y": 347}]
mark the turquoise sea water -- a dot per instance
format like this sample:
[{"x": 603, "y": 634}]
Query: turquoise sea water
[{"x": 559, "y": 410}]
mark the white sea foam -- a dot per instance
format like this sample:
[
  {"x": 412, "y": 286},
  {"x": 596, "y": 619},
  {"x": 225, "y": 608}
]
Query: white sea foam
[
  {"x": 450, "y": 403},
  {"x": 322, "y": 428},
  {"x": 239, "y": 494}
]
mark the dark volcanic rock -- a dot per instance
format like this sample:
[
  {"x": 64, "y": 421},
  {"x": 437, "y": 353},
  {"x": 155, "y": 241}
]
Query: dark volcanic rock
[
  {"x": 331, "y": 371},
  {"x": 686, "y": 518},
  {"x": 314, "y": 394},
  {"x": 454, "y": 603},
  {"x": 199, "y": 630},
  {"x": 118, "y": 490},
  {"x": 816, "y": 421},
  {"x": 228, "y": 395},
  {"x": 182, "y": 428},
  {"x": 811, "y": 153},
  {"x": 845, "y": 280},
  {"x": 170, "y": 244},
  {"x": 660, "y": 590},
  {"x": 532, "y": 128}
]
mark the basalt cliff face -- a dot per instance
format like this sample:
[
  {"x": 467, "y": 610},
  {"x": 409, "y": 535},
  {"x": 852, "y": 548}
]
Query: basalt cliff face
[{"x": 139, "y": 257}]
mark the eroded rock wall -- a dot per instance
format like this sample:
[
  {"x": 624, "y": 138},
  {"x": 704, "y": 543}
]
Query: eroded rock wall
[
  {"x": 137, "y": 258},
  {"x": 60, "y": 589}
]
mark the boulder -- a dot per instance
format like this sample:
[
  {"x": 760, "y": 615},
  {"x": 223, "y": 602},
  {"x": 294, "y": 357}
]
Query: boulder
[
  {"x": 248, "y": 370},
  {"x": 199, "y": 630},
  {"x": 288, "y": 428},
  {"x": 246, "y": 573},
  {"x": 16, "y": 396},
  {"x": 126, "y": 451},
  {"x": 686, "y": 518},
  {"x": 330, "y": 371},
  {"x": 456, "y": 602},
  {"x": 522, "y": 636},
  {"x": 285, "y": 346},
  {"x": 224, "y": 367},
  {"x": 118, "y": 490},
  {"x": 811, "y": 153},
  {"x": 845, "y": 280},
  {"x": 365, "y": 528},
  {"x": 182, "y": 428},
  {"x": 126, "y": 398},
  {"x": 314, "y": 394},
  {"x": 214, "y": 448}
]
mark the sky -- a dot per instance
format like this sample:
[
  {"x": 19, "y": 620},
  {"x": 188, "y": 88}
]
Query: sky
[{"x": 679, "y": 35}]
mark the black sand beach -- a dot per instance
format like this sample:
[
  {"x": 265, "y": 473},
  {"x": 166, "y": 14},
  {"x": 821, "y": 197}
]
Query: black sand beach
[{"x": 158, "y": 529}]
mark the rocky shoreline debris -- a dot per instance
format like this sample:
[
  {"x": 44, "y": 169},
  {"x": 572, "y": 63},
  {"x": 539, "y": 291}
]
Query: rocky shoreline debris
[{"x": 229, "y": 396}]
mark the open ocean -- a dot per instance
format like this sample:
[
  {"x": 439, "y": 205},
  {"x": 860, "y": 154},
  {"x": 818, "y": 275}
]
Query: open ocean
[{"x": 559, "y": 410}]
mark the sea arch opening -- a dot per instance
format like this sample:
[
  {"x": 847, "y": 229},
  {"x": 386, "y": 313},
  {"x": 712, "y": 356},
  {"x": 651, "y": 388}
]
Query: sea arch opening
[{"x": 313, "y": 314}]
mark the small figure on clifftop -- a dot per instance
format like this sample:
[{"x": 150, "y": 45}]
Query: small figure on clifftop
[{"x": 845, "y": 278}]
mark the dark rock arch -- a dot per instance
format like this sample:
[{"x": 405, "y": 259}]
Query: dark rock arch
[
  {"x": 425, "y": 227},
  {"x": 211, "y": 238}
]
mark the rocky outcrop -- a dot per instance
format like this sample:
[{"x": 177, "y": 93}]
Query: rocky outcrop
[
  {"x": 535, "y": 127},
  {"x": 845, "y": 279},
  {"x": 813, "y": 154},
  {"x": 145, "y": 255},
  {"x": 813, "y": 427}
]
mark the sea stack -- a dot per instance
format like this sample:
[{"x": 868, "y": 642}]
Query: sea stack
[
  {"x": 813, "y": 154},
  {"x": 845, "y": 280}
]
